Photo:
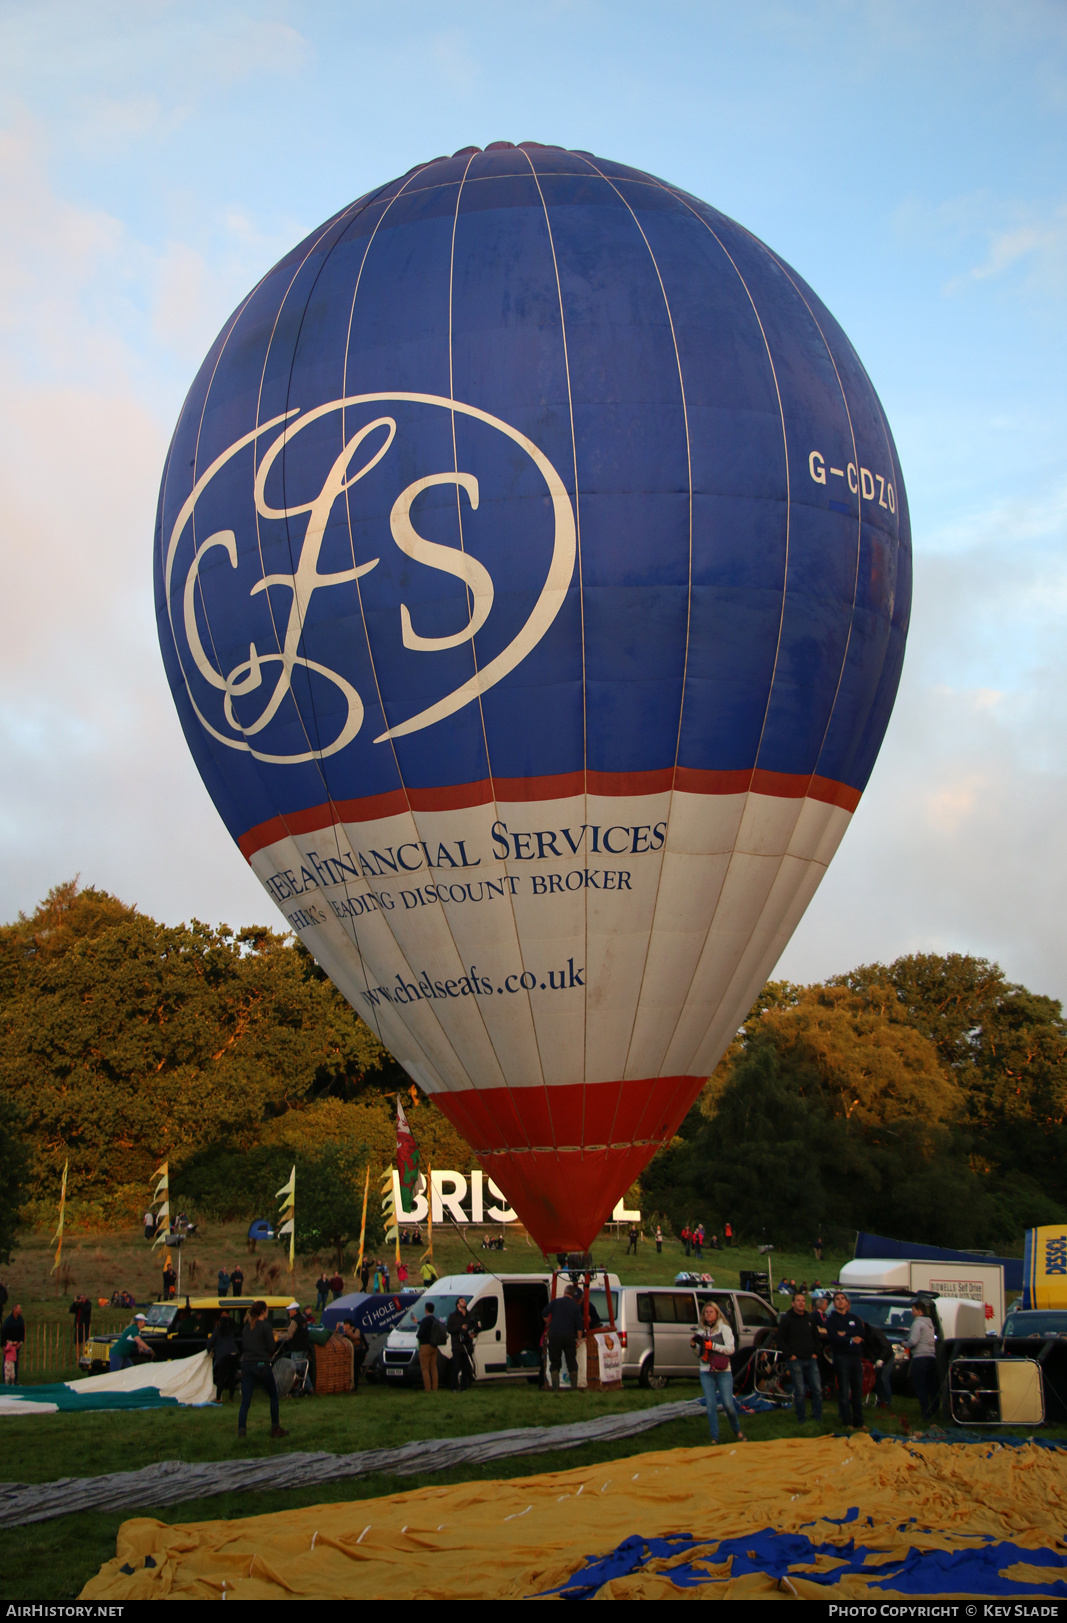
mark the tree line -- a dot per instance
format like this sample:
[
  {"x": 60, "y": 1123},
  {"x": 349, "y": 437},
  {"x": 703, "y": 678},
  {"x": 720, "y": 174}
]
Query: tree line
[
  {"x": 924, "y": 1098},
  {"x": 125, "y": 1042}
]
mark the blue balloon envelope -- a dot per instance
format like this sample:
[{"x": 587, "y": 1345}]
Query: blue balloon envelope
[{"x": 533, "y": 573}]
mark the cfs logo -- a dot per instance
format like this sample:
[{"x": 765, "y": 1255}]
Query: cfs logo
[{"x": 250, "y": 693}]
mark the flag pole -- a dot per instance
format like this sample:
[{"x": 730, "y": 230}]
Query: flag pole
[
  {"x": 57, "y": 1238},
  {"x": 429, "y": 1217},
  {"x": 363, "y": 1224}
]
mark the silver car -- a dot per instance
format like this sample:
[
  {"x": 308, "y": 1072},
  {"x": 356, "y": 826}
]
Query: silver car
[{"x": 655, "y": 1323}]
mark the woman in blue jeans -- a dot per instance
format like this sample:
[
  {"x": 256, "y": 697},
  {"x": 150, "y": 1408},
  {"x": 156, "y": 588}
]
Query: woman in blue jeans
[{"x": 715, "y": 1341}]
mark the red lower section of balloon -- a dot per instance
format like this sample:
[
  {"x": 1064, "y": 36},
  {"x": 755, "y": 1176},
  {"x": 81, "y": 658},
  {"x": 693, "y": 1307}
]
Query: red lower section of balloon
[{"x": 565, "y": 1155}]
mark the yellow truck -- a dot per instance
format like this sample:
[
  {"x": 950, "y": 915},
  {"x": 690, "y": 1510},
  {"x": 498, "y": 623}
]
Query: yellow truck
[{"x": 179, "y": 1328}]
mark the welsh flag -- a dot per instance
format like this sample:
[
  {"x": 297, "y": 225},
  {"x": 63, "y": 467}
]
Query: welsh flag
[{"x": 412, "y": 1182}]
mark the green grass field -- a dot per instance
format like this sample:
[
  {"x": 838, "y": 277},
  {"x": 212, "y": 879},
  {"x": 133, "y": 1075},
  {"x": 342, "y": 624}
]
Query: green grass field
[{"x": 52, "y": 1560}]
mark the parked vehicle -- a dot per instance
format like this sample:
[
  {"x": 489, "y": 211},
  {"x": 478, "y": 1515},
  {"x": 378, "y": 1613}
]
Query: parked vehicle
[
  {"x": 178, "y": 1329},
  {"x": 506, "y": 1312},
  {"x": 1039, "y": 1322},
  {"x": 655, "y": 1323},
  {"x": 978, "y": 1282}
]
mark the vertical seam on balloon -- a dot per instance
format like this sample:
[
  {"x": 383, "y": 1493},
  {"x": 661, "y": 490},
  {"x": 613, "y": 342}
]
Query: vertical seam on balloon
[
  {"x": 288, "y": 392},
  {"x": 319, "y": 238},
  {"x": 785, "y": 586},
  {"x": 859, "y": 505},
  {"x": 581, "y": 603},
  {"x": 688, "y": 622},
  {"x": 363, "y": 616},
  {"x": 445, "y": 1038},
  {"x": 474, "y": 655}
]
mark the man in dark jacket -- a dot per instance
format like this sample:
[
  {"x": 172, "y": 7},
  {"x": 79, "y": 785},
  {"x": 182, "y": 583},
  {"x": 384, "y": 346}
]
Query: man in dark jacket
[
  {"x": 565, "y": 1328},
  {"x": 257, "y": 1356},
  {"x": 461, "y": 1328},
  {"x": 237, "y": 1279},
  {"x": 846, "y": 1335},
  {"x": 797, "y": 1339},
  {"x": 879, "y": 1349},
  {"x": 82, "y": 1309}
]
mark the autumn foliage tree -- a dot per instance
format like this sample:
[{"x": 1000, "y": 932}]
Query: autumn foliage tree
[
  {"x": 124, "y": 1041},
  {"x": 924, "y": 1099}
]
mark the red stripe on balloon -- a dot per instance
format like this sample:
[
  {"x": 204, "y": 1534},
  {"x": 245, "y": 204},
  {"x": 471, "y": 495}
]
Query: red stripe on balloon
[
  {"x": 582, "y": 1145},
  {"x": 560, "y": 786}
]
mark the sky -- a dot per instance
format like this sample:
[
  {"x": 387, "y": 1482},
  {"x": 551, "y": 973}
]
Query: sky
[{"x": 907, "y": 159}]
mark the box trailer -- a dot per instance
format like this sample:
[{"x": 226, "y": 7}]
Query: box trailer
[{"x": 979, "y": 1282}]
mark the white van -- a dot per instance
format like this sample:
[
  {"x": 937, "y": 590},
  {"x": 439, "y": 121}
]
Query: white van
[
  {"x": 508, "y": 1311},
  {"x": 655, "y": 1323}
]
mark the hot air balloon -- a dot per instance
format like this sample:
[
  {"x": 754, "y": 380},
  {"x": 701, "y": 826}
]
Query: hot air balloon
[{"x": 533, "y": 574}]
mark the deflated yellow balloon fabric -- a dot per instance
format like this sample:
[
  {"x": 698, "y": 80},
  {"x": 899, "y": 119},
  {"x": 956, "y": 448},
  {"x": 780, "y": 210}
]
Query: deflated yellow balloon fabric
[{"x": 518, "y": 1538}]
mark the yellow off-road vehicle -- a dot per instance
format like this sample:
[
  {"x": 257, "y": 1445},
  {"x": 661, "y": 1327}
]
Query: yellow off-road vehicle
[{"x": 181, "y": 1327}]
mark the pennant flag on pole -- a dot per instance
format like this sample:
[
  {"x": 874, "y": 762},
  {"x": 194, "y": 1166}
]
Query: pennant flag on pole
[
  {"x": 287, "y": 1195},
  {"x": 161, "y": 1198},
  {"x": 363, "y": 1224},
  {"x": 57, "y": 1238},
  {"x": 392, "y": 1232}
]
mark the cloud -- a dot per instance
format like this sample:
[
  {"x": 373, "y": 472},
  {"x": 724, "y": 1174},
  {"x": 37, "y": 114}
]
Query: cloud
[
  {"x": 1017, "y": 241},
  {"x": 97, "y": 778},
  {"x": 958, "y": 843}
]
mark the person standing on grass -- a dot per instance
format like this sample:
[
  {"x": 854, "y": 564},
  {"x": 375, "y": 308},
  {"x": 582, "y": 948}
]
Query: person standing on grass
[
  {"x": 222, "y": 1345},
  {"x": 698, "y": 1239},
  {"x": 257, "y": 1358},
  {"x": 728, "y": 1235},
  {"x": 237, "y": 1280},
  {"x": 224, "y": 1281},
  {"x": 631, "y": 1239},
  {"x": 686, "y": 1237},
  {"x": 337, "y": 1285},
  {"x": 922, "y": 1349},
  {"x": 358, "y": 1342},
  {"x": 82, "y": 1309},
  {"x": 149, "y": 1224},
  {"x": 461, "y": 1331},
  {"x": 659, "y": 1240},
  {"x": 566, "y": 1329},
  {"x": 879, "y": 1350},
  {"x": 13, "y": 1336},
  {"x": 846, "y": 1335},
  {"x": 797, "y": 1339},
  {"x": 322, "y": 1291},
  {"x": 430, "y": 1335},
  {"x": 714, "y": 1340}
]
